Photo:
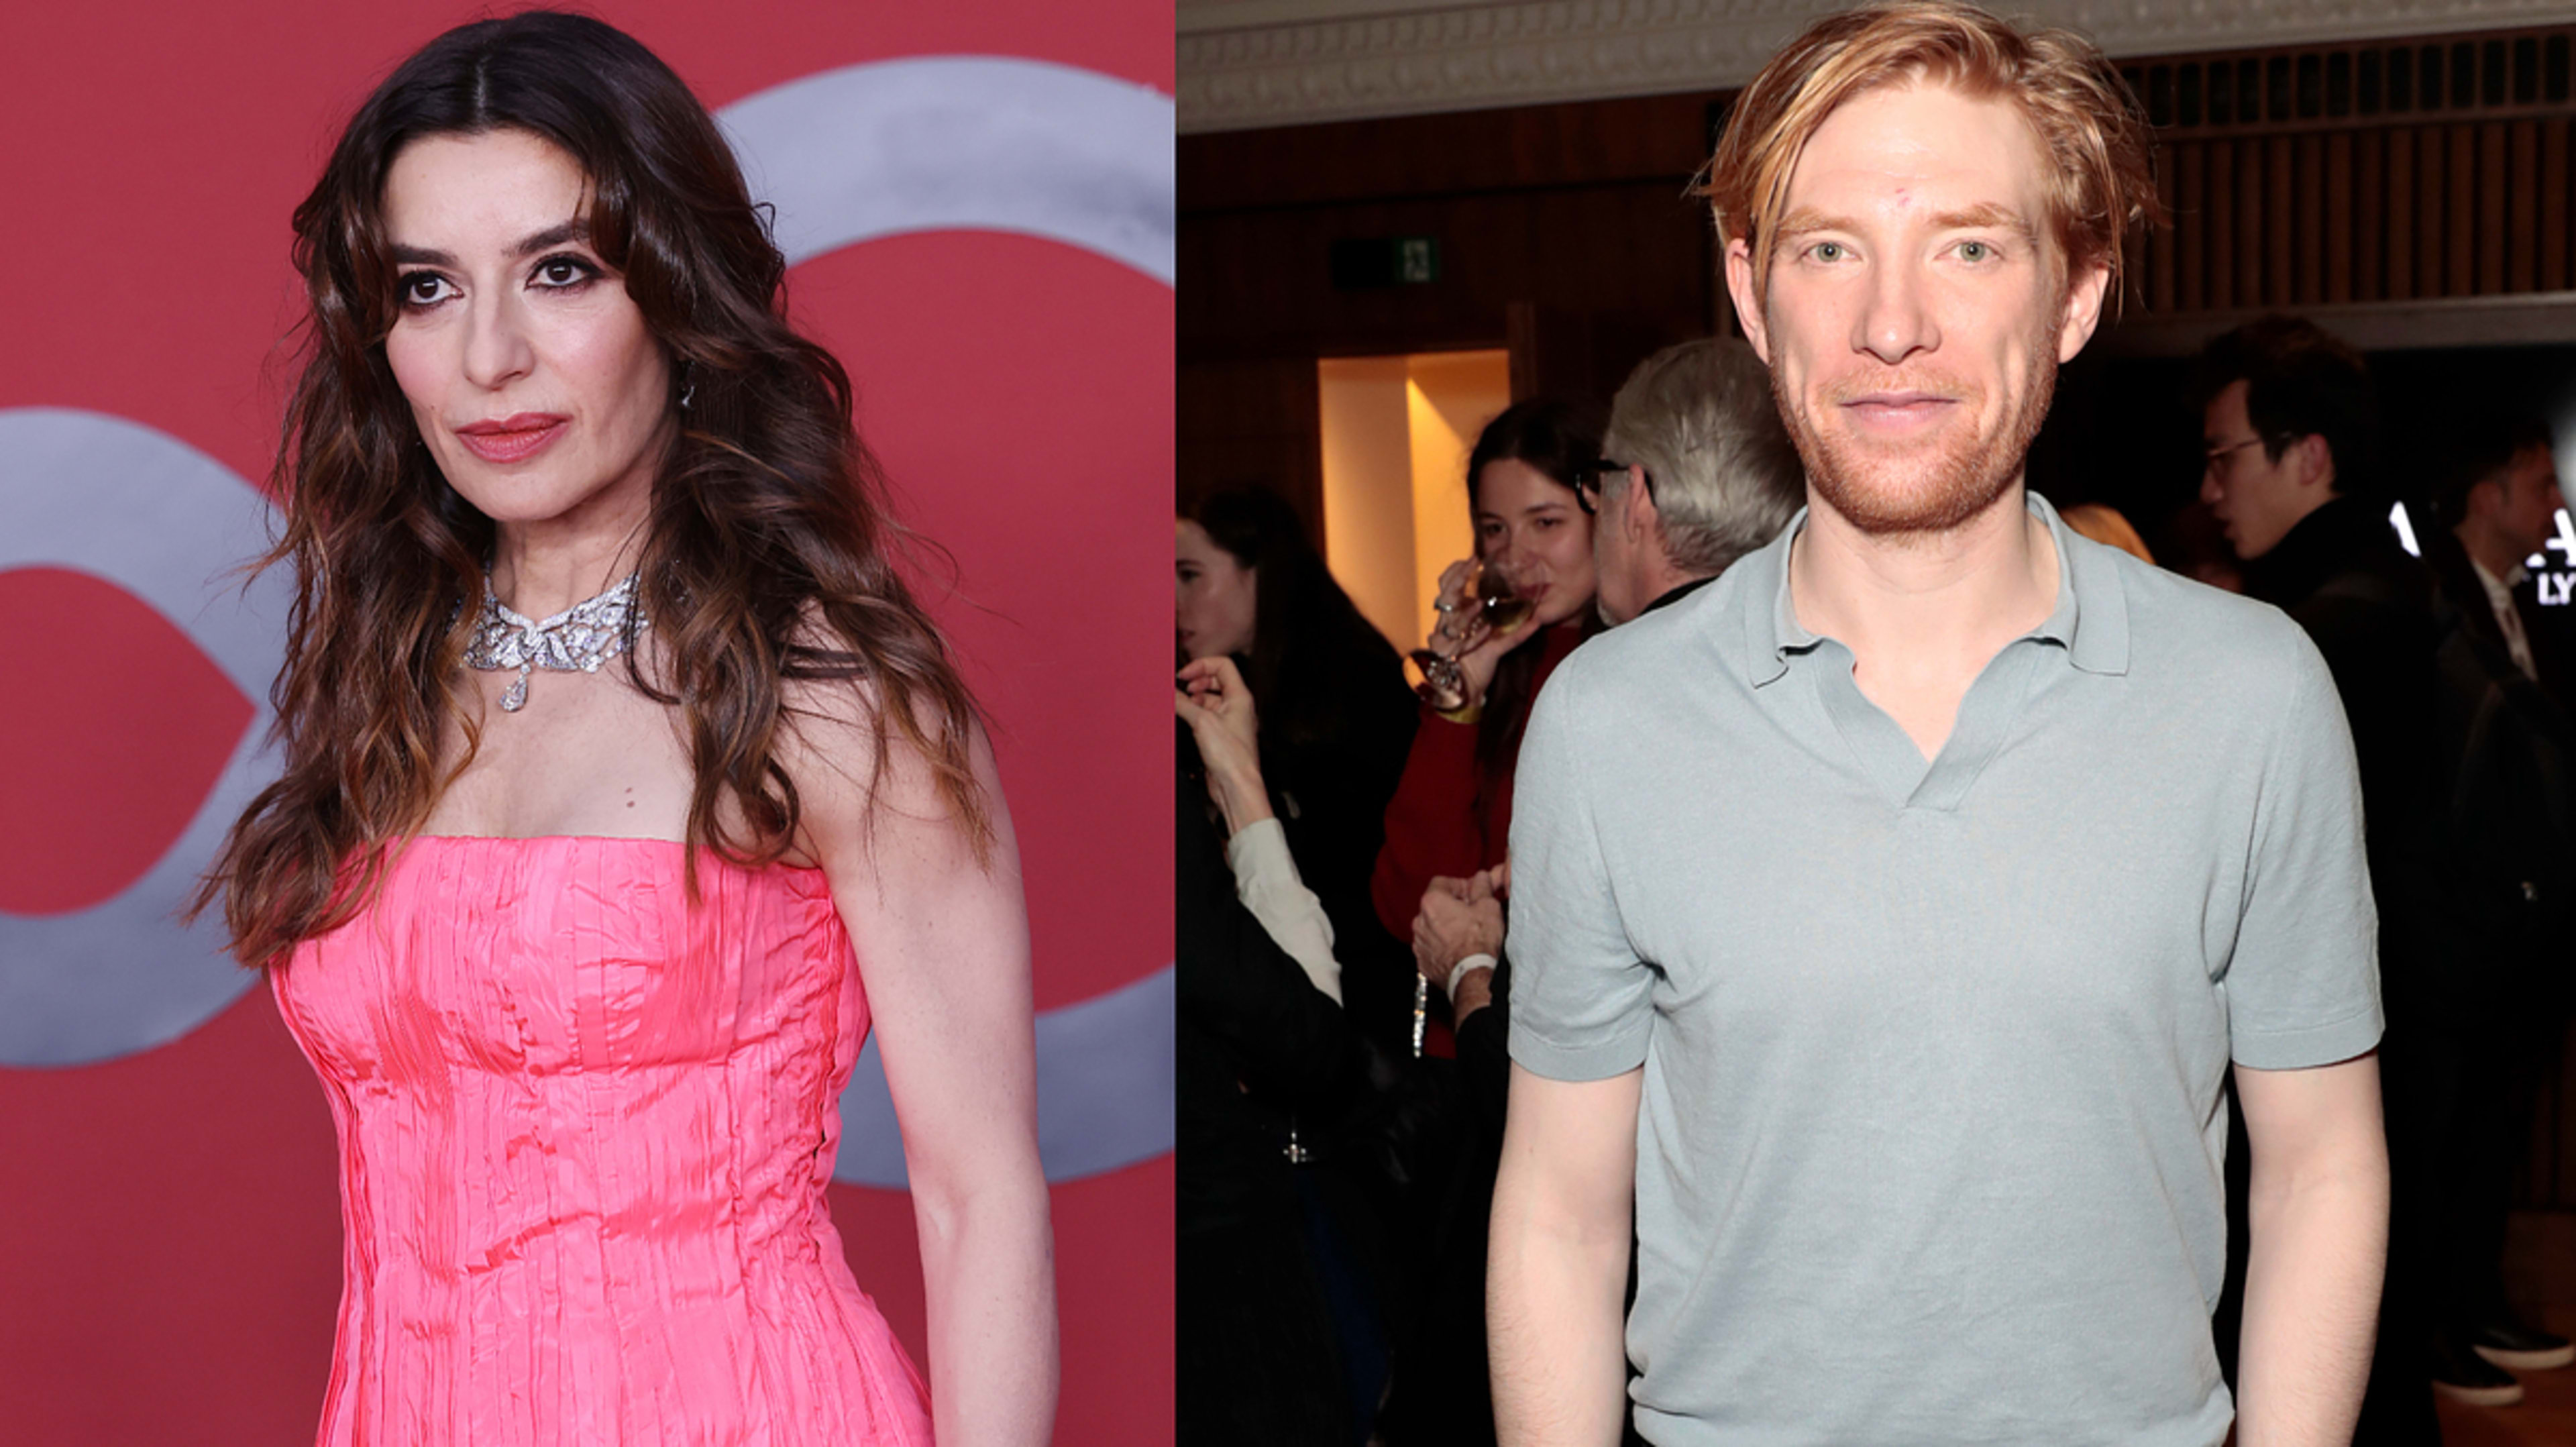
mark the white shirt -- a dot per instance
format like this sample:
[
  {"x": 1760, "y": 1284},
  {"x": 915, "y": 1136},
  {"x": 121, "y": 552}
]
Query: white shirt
[
  {"x": 1266, "y": 880},
  {"x": 2508, "y": 618}
]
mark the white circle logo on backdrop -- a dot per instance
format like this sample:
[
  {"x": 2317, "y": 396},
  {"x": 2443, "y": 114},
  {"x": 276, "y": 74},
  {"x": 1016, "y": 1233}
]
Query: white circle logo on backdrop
[
  {"x": 168, "y": 524},
  {"x": 947, "y": 143},
  {"x": 849, "y": 155}
]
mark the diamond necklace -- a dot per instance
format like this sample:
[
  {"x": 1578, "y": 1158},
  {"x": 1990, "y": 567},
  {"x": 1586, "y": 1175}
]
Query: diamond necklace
[{"x": 583, "y": 636}]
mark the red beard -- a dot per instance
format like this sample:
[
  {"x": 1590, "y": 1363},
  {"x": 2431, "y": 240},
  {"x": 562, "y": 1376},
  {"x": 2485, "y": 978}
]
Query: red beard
[{"x": 1931, "y": 486}]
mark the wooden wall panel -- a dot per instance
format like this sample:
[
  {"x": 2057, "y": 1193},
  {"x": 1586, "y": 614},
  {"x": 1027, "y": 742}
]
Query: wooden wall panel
[
  {"x": 2522, "y": 190},
  {"x": 2459, "y": 239},
  {"x": 2370, "y": 202},
  {"x": 2190, "y": 215},
  {"x": 2554, "y": 183},
  {"x": 1261, "y": 282},
  {"x": 1250, "y": 423},
  {"x": 2399, "y": 225},
  {"x": 2492, "y": 180},
  {"x": 2431, "y": 200},
  {"x": 2333, "y": 170},
  {"x": 2279, "y": 238},
  {"x": 2248, "y": 233},
  {"x": 2156, "y": 274},
  {"x": 2382, "y": 171},
  {"x": 2224, "y": 253}
]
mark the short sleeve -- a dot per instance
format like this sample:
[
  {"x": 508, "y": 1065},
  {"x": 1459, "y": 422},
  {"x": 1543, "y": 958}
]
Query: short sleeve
[
  {"x": 2302, "y": 983},
  {"x": 1581, "y": 1001}
]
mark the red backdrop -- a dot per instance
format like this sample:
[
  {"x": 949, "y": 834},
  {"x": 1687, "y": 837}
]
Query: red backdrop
[{"x": 169, "y": 1233}]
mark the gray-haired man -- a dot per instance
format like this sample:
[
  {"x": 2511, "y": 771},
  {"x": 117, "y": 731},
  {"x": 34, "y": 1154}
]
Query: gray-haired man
[{"x": 1700, "y": 473}]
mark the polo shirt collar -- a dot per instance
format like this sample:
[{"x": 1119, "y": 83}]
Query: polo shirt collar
[{"x": 2091, "y": 620}]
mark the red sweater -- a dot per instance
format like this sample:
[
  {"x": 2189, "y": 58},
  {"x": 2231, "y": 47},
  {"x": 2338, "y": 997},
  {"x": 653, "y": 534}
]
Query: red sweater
[{"x": 1433, "y": 826}]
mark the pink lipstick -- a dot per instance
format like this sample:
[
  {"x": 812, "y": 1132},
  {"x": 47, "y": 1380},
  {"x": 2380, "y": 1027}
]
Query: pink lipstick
[{"x": 514, "y": 438}]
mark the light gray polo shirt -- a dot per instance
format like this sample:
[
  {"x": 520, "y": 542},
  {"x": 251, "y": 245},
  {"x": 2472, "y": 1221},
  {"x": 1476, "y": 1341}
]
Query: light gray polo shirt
[{"x": 1931, "y": 1133}]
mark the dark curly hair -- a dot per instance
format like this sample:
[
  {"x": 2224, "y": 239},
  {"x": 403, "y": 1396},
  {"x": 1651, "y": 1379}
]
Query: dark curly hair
[{"x": 768, "y": 555}]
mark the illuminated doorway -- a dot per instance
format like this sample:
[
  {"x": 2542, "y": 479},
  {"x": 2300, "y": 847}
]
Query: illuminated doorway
[{"x": 1396, "y": 433}]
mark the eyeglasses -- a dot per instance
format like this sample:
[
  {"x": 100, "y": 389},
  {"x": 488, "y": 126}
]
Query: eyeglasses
[
  {"x": 1589, "y": 482},
  {"x": 2216, "y": 457}
]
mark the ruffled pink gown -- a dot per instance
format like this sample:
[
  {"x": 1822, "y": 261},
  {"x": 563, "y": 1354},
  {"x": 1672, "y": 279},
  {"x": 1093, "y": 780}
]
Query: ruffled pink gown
[{"x": 584, "y": 1136}]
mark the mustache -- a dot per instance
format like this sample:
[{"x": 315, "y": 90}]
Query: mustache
[{"x": 1921, "y": 382}]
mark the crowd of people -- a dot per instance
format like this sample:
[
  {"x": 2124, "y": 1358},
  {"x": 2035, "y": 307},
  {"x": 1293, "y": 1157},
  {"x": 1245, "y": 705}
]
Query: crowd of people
[
  {"x": 1836, "y": 945},
  {"x": 1364, "y": 1180}
]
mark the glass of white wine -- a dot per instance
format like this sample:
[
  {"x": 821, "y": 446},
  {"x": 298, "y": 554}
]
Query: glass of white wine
[{"x": 1502, "y": 593}]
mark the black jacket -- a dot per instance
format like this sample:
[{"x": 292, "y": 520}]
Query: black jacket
[
  {"x": 2369, "y": 608},
  {"x": 2502, "y": 807},
  {"x": 1260, "y": 1052},
  {"x": 1330, "y": 789}
]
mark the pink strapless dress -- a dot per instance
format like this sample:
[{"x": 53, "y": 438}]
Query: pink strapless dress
[{"x": 584, "y": 1136}]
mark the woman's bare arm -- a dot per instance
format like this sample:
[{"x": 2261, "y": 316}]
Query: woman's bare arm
[{"x": 943, "y": 949}]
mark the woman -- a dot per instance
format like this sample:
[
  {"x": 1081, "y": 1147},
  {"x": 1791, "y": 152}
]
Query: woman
[
  {"x": 582, "y": 920},
  {"x": 1452, "y": 811},
  {"x": 1335, "y": 719},
  {"x": 1282, "y": 1337}
]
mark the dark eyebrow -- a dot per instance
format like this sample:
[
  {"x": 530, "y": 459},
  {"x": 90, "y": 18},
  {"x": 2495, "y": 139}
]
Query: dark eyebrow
[{"x": 576, "y": 229}]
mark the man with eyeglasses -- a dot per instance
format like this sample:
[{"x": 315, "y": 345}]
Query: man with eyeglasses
[
  {"x": 1700, "y": 472},
  {"x": 2290, "y": 446}
]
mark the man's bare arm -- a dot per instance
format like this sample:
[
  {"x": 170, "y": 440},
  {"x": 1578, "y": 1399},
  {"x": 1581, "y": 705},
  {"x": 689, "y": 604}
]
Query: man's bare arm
[
  {"x": 1558, "y": 1263},
  {"x": 2317, "y": 1248}
]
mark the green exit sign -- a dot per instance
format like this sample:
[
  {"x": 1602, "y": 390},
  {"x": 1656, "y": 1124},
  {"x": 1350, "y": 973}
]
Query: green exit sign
[{"x": 1363, "y": 263}]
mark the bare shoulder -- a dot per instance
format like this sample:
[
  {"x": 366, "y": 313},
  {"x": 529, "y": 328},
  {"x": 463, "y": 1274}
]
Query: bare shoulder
[{"x": 883, "y": 791}]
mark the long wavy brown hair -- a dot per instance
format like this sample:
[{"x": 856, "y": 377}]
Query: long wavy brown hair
[{"x": 769, "y": 557}]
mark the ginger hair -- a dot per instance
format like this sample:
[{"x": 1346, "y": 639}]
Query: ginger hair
[{"x": 2099, "y": 184}]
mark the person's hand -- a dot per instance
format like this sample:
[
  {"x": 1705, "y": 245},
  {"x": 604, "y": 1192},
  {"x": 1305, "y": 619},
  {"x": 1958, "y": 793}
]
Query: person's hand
[
  {"x": 1461, "y": 632},
  {"x": 1217, "y": 687},
  {"x": 1456, "y": 920},
  {"x": 1209, "y": 695}
]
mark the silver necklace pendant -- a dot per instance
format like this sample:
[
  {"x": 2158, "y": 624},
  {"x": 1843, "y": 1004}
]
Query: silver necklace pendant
[{"x": 581, "y": 637}]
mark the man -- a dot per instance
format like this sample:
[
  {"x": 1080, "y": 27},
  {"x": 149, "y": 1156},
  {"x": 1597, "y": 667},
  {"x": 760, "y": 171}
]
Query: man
[
  {"x": 2497, "y": 896},
  {"x": 1887, "y": 913},
  {"x": 1702, "y": 474},
  {"x": 2499, "y": 502},
  {"x": 2288, "y": 438}
]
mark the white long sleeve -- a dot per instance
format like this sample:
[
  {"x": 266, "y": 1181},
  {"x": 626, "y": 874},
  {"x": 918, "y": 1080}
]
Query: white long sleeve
[{"x": 1266, "y": 880}]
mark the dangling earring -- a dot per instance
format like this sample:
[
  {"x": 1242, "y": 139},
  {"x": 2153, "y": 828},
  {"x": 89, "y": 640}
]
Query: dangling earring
[{"x": 688, "y": 389}]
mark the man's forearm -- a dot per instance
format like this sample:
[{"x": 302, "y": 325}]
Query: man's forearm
[
  {"x": 2317, "y": 1250},
  {"x": 1552, "y": 1303}
]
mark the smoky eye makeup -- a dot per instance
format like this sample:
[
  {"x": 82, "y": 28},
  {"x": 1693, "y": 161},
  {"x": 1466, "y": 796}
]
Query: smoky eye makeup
[
  {"x": 409, "y": 290},
  {"x": 565, "y": 271}
]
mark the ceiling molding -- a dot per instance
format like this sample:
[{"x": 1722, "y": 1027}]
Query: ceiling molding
[{"x": 1246, "y": 64}]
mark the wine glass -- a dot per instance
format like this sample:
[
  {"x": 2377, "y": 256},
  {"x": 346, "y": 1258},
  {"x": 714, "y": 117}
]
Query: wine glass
[{"x": 1502, "y": 593}]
